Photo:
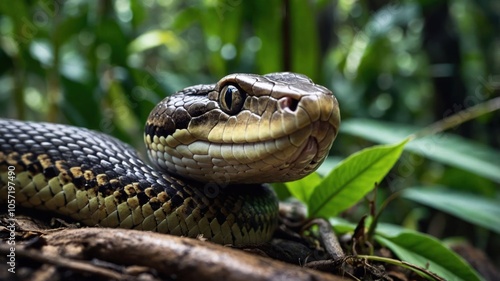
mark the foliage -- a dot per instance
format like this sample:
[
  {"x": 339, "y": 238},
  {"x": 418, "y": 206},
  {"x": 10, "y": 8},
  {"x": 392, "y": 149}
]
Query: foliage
[
  {"x": 426, "y": 251},
  {"x": 446, "y": 148},
  {"x": 472, "y": 208},
  {"x": 352, "y": 179},
  {"x": 104, "y": 64},
  {"x": 418, "y": 249}
]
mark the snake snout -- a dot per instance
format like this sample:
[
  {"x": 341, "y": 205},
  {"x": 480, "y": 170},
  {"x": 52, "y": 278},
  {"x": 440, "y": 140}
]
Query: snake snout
[{"x": 288, "y": 103}]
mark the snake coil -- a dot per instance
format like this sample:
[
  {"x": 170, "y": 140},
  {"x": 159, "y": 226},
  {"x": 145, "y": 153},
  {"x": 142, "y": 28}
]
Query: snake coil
[{"x": 212, "y": 148}]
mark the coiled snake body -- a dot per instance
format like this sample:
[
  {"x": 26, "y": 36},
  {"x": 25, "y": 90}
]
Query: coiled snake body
[{"x": 212, "y": 147}]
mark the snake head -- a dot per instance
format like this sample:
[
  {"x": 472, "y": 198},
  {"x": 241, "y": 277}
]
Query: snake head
[{"x": 246, "y": 128}]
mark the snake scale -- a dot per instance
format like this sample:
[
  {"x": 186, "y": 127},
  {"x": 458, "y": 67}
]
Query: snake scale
[{"x": 212, "y": 148}]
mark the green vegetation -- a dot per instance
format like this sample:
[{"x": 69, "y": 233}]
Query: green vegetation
[{"x": 395, "y": 67}]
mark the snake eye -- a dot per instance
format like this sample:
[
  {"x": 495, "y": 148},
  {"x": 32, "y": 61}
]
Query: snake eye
[{"x": 231, "y": 99}]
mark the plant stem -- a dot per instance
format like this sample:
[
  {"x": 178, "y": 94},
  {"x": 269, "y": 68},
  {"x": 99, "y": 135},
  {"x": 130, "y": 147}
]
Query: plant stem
[
  {"x": 459, "y": 118},
  {"x": 417, "y": 269}
]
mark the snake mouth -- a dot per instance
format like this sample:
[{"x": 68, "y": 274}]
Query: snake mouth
[
  {"x": 307, "y": 153},
  {"x": 317, "y": 140}
]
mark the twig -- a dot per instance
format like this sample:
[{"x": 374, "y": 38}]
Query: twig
[
  {"x": 417, "y": 269},
  {"x": 328, "y": 237},
  {"x": 459, "y": 118}
]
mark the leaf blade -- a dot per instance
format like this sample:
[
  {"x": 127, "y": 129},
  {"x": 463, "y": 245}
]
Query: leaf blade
[
  {"x": 445, "y": 148},
  {"x": 353, "y": 178},
  {"x": 425, "y": 251},
  {"x": 469, "y": 207},
  {"x": 303, "y": 188}
]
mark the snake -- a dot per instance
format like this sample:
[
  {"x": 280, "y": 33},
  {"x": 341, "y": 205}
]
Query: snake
[{"x": 213, "y": 149}]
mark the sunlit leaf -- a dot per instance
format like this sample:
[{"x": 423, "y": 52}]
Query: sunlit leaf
[
  {"x": 42, "y": 50},
  {"x": 446, "y": 148},
  {"x": 469, "y": 207},
  {"x": 153, "y": 39},
  {"x": 352, "y": 179},
  {"x": 75, "y": 67}
]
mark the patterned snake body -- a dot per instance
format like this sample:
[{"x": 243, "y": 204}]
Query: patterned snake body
[{"x": 212, "y": 147}]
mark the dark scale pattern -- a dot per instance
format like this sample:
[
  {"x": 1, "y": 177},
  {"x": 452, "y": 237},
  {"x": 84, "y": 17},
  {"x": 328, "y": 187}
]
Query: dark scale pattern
[
  {"x": 94, "y": 161},
  {"x": 175, "y": 112},
  {"x": 99, "y": 154}
]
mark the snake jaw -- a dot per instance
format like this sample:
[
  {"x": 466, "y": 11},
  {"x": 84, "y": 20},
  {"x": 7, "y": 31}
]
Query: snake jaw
[
  {"x": 317, "y": 141},
  {"x": 306, "y": 153}
]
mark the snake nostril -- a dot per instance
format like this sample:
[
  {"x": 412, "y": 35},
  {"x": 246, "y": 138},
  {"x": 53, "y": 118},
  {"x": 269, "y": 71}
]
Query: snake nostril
[{"x": 288, "y": 102}]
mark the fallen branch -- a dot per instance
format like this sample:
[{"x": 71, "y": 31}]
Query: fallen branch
[
  {"x": 76, "y": 265},
  {"x": 184, "y": 258}
]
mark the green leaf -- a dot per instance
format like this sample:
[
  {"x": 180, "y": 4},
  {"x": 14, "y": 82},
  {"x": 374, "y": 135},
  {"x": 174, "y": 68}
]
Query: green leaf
[
  {"x": 69, "y": 27},
  {"x": 111, "y": 33},
  {"x": 418, "y": 249},
  {"x": 328, "y": 165},
  {"x": 266, "y": 26},
  {"x": 24, "y": 30},
  {"x": 304, "y": 46},
  {"x": 185, "y": 19},
  {"x": 469, "y": 207},
  {"x": 445, "y": 148},
  {"x": 281, "y": 191},
  {"x": 425, "y": 251},
  {"x": 353, "y": 178},
  {"x": 303, "y": 188},
  {"x": 341, "y": 225},
  {"x": 138, "y": 12}
]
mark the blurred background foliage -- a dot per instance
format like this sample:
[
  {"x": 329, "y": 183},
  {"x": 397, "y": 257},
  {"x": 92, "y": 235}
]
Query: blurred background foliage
[{"x": 104, "y": 64}]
